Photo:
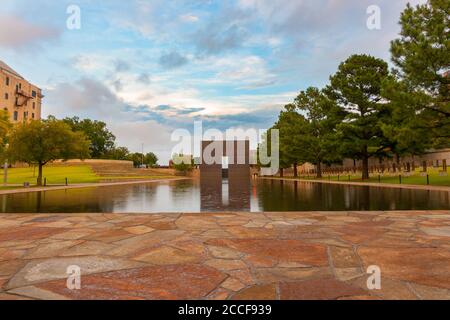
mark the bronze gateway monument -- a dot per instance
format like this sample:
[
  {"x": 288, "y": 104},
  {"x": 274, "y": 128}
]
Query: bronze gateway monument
[{"x": 225, "y": 175}]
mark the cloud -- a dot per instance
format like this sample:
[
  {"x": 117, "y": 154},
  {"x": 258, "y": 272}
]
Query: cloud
[
  {"x": 87, "y": 96},
  {"x": 215, "y": 38},
  {"x": 121, "y": 65},
  {"x": 172, "y": 60},
  {"x": 17, "y": 33},
  {"x": 189, "y": 18},
  {"x": 154, "y": 136}
]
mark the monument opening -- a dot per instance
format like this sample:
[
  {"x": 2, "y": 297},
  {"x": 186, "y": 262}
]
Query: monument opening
[{"x": 225, "y": 164}]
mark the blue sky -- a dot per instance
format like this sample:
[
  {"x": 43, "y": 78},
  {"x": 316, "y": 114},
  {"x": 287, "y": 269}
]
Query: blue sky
[{"x": 149, "y": 67}]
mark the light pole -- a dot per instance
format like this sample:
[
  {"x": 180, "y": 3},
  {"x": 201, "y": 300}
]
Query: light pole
[
  {"x": 5, "y": 170},
  {"x": 142, "y": 155}
]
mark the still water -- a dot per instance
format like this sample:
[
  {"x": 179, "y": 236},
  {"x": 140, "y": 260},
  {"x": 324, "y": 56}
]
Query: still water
[{"x": 191, "y": 196}]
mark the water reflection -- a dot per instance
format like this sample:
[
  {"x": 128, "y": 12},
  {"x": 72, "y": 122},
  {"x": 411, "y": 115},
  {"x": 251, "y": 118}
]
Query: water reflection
[{"x": 224, "y": 195}]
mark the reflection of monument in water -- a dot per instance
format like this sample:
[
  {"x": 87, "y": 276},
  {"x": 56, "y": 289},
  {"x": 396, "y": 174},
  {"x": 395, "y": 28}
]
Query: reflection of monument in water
[{"x": 225, "y": 176}]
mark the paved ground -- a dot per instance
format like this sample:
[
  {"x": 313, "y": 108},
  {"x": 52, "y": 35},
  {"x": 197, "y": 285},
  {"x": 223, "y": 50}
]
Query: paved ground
[
  {"x": 226, "y": 256},
  {"x": 84, "y": 185}
]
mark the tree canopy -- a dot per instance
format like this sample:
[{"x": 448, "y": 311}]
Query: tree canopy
[
  {"x": 40, "y": 142},
  {"x": 356, "y": 87},
  {"x": 5, "y": 126},
  {"x": 102, "y": 140},
  {"x": 422, "y": 58}
]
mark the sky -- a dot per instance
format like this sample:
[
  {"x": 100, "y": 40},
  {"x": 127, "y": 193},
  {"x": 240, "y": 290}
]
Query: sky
[{"x": 149, "y": 67}]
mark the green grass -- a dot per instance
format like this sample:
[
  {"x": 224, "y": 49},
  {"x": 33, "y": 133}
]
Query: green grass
[
  {"x": 54, "y": 175},
  {"x": 415, "y": 178}
]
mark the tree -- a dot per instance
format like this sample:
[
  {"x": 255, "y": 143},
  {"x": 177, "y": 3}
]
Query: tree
[
  {"x": 102, "y": 140},
  {"x": 422, "y": 58},
  {"x": 292, "y": 128},
  {"x": 118, "y": 153},
  {"x": 5, "y": 126},
  {"x": 40, "y": 142},
  {"x": 403, "y": 129},
  {"x": 151, "y": 159},
  {"x": 183, "y": 163},
  {"x": 318, "y": 141},
  {"x": 356, "y": 87}
]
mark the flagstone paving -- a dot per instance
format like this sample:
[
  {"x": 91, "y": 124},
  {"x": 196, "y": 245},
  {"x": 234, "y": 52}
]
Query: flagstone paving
[{"x": 287, "y": 255}]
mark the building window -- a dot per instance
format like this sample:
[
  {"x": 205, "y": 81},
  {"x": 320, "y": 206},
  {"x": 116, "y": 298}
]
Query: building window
[
  {"x": 34, "y": 105},
  {"x": 16, "y": 115},
  {"x": 25, "y": 115},
  {"x": 7, "y": 81},
  {"x": 32, "y": 116},
  {"x": 33, "y": 93},
  {"x": 6, "y": 96}
]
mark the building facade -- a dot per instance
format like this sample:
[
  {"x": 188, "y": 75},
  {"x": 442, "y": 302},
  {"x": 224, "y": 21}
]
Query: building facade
[{"x": 21, "y": 99}]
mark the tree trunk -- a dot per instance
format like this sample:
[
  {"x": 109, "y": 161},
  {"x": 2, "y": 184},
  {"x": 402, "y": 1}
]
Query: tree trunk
[
  {"x": 365, "y": 168},
  {"x": 295, "y": 170},
  {"x": 39, "y": 178},
  {"x": 319, "y": 170}
]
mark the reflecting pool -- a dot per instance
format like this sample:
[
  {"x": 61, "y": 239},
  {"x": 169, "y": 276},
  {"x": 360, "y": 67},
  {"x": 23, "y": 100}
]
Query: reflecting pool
[{"x": 193, "y": 196}]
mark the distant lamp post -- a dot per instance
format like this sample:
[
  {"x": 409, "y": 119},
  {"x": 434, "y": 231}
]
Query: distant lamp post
[
  {"x": 5, "y": 170},
  {"x": 142, "y": 155}
]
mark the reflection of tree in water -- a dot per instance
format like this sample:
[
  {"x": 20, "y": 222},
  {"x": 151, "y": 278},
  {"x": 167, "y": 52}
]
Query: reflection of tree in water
[{"x": 287, "y": 195}]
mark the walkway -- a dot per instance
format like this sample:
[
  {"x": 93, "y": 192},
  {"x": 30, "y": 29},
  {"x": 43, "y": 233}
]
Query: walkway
[
  {"x": 297, "y": 255},
  {"x": 86, "y": 185}
]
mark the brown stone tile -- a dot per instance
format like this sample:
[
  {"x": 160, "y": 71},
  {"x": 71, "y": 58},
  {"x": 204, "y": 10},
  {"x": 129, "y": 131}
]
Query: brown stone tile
[
  {"x": 161, "y": 282},
  {"x": 427, "y": 266},
  {"x": 265, "y": 275},
  {"x": 224, "y": 253},
  {"x": 42, "y": 270},
  {"x": 390, "y": 289},
  {"x": 166, "y": 255},
  {"x": 233, "y": 284},
  {"x": 11, "y": 297},
  {"x": 136, "y": 244},
  {"x": 243, "y": 275},
  {"x": 281, "y": 250},
  {"x": 344, "y": 257},
  {"x": 112, "y": 235},
  {"x": 87, "y": 248},
  {"x": 10, "y": 267},
  {"x": 318, "y": 289},
  {"x": 219, "y": 294},
  {"x": 139, "y": 229},
  {"x": 226, "y": 265},
  {"x": 430, "y": 293},
  {"x": 191, "y": 222},
  {"x": 12, "y": 254},
  {"x": 28, "y": 233},
  {"x": 51, "y": 249},
  {"x": 257, "y": 292}
]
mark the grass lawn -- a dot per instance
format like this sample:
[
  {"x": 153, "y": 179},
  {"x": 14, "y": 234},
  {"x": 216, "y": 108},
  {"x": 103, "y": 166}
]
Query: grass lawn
[
  {"x": 54, "y": 175},
  {"x": 415, "y": 178}
]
